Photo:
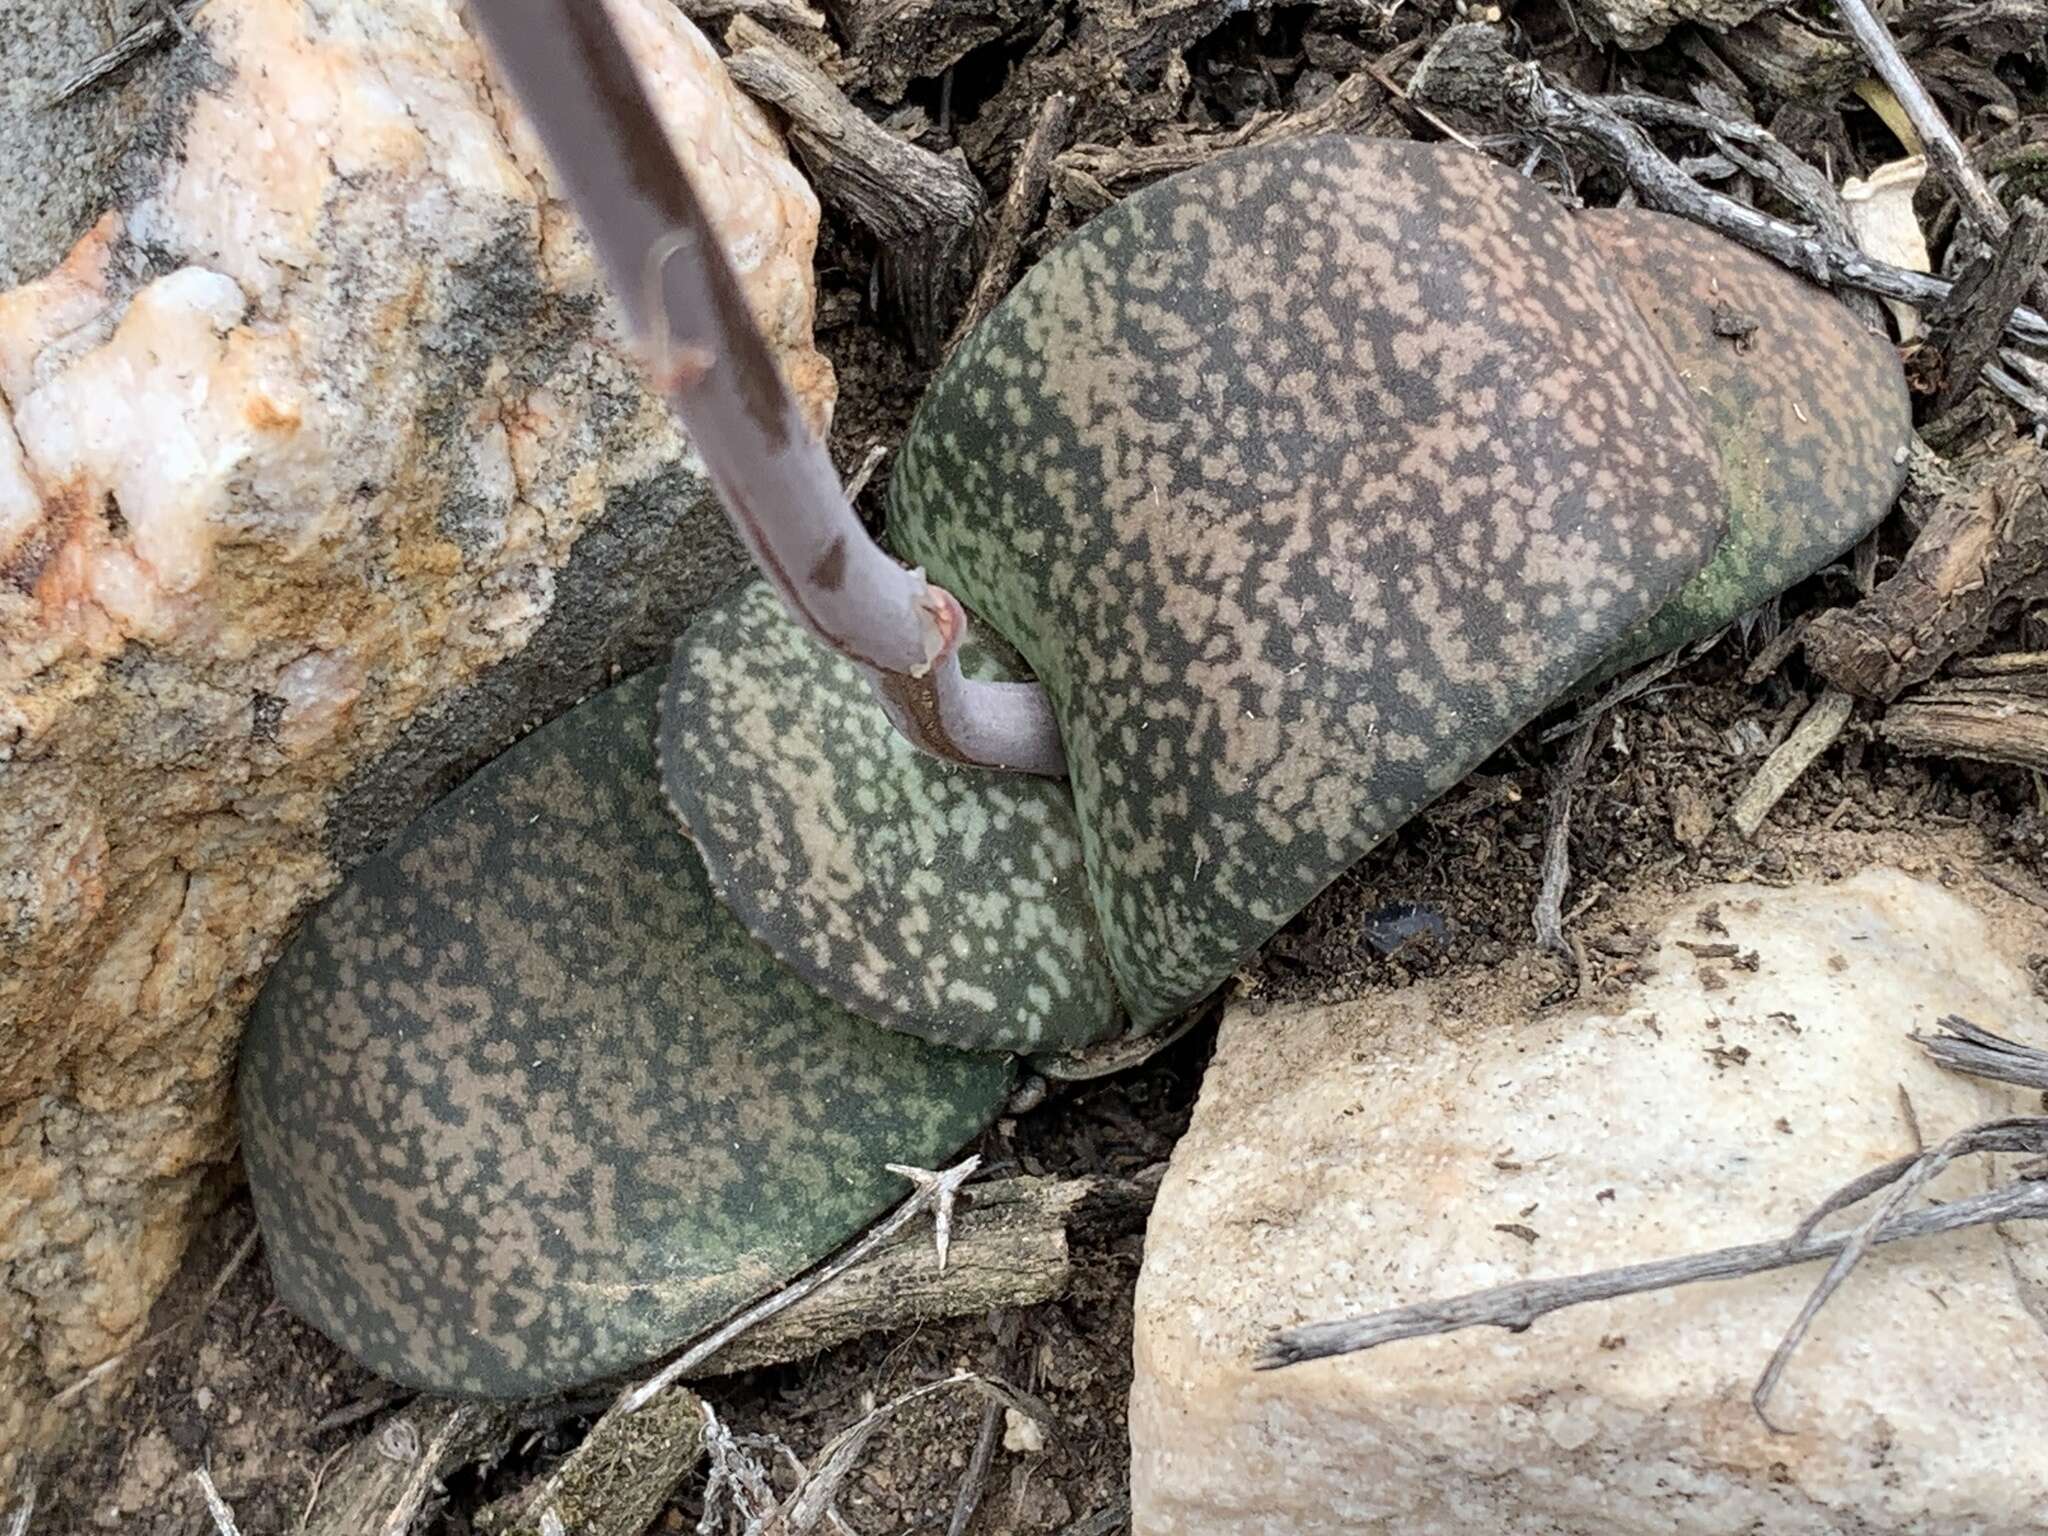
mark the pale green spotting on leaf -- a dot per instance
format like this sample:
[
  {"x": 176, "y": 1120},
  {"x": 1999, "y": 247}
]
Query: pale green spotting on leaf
[
  {"x": 1301, "y": 480},
  {"x": 1807, "y": 411},
  {"x": 945, "y": 901},
  {"x": 524, "y": 1106}
]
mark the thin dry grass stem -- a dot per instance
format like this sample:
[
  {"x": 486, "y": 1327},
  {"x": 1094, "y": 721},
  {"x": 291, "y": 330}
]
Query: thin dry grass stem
[
  {"x": 1633, "y": 686},
  {"x": 1515, "y": 1307},
  {"x": 2019, "y": 1134},
  {"x": 869, "y": 463},
  {"x": 1583, "y": 728},
  {"x": 216, "y": 1506},
  {"x": 578, "y": 85},
  {"x": 939, "y": 1190},
  {"x": 968, "y": 1500},
  {"x": 1980, "y": 1053},
  {"x": 819, "y": 1490},
  {"x": 28, "y": 1486},
  {"x": 319, "y": 1478},
  {"x": 1557, "y": 836}
]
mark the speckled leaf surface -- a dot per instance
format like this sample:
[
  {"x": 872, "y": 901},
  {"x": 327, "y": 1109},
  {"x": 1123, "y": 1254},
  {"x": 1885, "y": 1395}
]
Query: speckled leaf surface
[
  {"x": 1806, "y": 409},
  {"x": 523, "y": 1105},
  {"x": 1300, "y": 480},
  {"x": 930, "y": 897}
]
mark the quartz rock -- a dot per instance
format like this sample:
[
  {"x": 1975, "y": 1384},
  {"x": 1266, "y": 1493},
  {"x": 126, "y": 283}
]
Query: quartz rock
[
  {"x": 324, "y": 472},
  {"x": 1449, "y": 1137}
]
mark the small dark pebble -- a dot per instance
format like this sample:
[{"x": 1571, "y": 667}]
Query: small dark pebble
[{"x": 1393, "y": 929}]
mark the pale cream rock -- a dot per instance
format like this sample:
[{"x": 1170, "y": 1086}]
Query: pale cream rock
[
  {"x": 1348, "y": 1158},
  {"x": 324, "y": 471}
]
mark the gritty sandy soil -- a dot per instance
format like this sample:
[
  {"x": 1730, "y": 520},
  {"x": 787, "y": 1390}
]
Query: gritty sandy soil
[{"x": 243, "y": 1389}]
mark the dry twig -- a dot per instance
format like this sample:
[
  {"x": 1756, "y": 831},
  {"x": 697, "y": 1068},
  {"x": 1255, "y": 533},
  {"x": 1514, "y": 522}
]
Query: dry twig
[
  {"x": 968, "y": 1500},
  {"x": 17, "y": 1523},
  {"x": 216, "y": 1506},
  {"x": 1972, "y": 319},
  {"x": 1969, "y": 1048},
  {"x": 1940, "y": 141},
  {"x": 786, "y": 13},
  {"x": 1515, "y": 1307},
  {"x": 140, "y": 39},
  {"x": 1981, "y": 555},
  {"x": 1815, "y": 733},
  {"x": 923, "y": 209},
  {"x": 1469, "y": 68},
  {"x": 1557, "y": 836},
  {"x": 1030, "y": 175},
  {"x": 616, "y": 1482},
  {"x": 1906, "y": 1179},
  {"x": 819, "y": 1489},
  {"x": 937, "y": 1190}
]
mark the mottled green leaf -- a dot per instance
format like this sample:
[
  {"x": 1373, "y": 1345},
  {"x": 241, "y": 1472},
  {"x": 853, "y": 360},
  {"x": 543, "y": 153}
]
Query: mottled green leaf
[
  {"x": 524, "y": 1105},
  {"x": 1301, "y": 480},
  {"x": 941, "y": 900},
  {"x": 1806, "y": 409}
]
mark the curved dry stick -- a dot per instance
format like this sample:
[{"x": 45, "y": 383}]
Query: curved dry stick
[{"x": 576, "y": 83}]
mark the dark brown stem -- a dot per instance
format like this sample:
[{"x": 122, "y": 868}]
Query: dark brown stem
[{"x": 574, "y": 79}]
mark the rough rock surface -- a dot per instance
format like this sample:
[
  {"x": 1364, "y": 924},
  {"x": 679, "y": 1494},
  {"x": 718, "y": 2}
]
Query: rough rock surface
[
  {"x": 1450, "y": 1137},
  {"x": 324, "y": 472}
]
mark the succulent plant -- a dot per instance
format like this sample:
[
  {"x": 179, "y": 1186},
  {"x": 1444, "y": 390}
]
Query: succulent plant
[
  {"x": 932, "y": 897},
  {"x": 523, "y": 1105},
  {"x": 1301, "y": 481},
  {"x": 1806, "y": 409}
]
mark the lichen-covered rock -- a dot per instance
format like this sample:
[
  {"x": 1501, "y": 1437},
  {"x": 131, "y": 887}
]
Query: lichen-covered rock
[
  {"x": 930, "y": 897},
  {"x": 524, "y": 1105},
  {"x": 1807, "y": 410},
  {"x": 1301, "y": 481},
  {"x": 323, "y": 473},
  {"x": 1460, "y": 1134}
]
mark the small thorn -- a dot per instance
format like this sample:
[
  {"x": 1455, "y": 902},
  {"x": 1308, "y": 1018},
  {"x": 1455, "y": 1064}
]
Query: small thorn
[{"x": 940, "y": 1190}]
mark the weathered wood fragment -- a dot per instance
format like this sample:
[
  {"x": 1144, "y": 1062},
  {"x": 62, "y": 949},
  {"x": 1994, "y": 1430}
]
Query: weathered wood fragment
[
  {"x": 923, "y": 209},
  {"x": 1982, "y": 554}
]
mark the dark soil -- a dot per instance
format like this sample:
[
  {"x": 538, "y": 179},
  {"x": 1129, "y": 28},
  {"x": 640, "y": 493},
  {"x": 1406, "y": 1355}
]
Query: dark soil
[{"x": 245, "y": 1390}]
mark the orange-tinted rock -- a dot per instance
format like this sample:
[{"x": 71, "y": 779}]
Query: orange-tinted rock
[{"x": 324, "y": 472}]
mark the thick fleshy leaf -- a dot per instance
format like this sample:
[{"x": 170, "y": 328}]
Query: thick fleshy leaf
[
  {"x": 1301, "y": 481},
  {"x": 941, "y": 900},
  {"x": 1807, "y": 410},
  {"x": 523, "y": 1105}
]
